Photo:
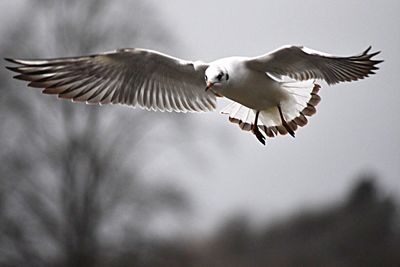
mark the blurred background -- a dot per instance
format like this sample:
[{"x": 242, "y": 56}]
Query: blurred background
[{"x": 113, "y": 186}]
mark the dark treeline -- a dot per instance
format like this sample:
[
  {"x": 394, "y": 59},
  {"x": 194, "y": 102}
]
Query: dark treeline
[{"x": 362, "y": 231}]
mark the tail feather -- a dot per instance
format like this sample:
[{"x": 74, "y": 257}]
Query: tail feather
[
  {"x": 240, "y": 114},
  {"x": 301, "y": 102}
]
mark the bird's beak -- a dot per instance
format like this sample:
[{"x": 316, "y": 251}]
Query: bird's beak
[{"x": 209, "y": 85}]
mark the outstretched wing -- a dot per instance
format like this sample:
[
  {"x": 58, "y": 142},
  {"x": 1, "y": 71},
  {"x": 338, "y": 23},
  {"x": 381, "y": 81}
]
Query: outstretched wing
[
  {"x": 135, "y": 77},
  {"x": 302, "y": 63}
]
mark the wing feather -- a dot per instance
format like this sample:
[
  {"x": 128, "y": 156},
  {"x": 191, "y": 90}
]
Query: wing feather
[
  {"x": 135, "y": 77},
  {"x": 302, "y": 63}
]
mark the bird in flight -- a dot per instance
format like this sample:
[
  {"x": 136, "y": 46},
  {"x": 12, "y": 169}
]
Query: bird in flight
[{"x": 271, "y": 94}]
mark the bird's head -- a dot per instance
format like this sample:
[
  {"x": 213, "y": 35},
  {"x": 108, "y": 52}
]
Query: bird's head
[{"x": 215, "y": 77}]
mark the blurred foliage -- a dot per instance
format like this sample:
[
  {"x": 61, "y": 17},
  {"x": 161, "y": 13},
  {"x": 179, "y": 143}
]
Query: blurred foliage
[{"x": 362, "y": 231}]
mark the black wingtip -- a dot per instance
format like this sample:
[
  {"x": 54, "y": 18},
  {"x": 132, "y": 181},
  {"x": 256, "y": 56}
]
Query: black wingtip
[
  {"x": 367, "y": 50},
  {"x": 374, "y": 54},
  {"x": 12, "y": 60},
  {"x": 15, "y": 69}
]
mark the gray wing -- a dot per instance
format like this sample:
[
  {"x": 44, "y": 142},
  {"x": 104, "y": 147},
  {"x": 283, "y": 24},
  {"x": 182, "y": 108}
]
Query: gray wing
[
  {"x": 135, "y": 77},
  {"x": 302, "y": 63}
]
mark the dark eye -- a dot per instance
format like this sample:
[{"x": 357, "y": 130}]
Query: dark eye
[
  {"x": 205, "y": 77},
  {"x": 219, "y": 77},
  {"x": 227, "y": 76}
]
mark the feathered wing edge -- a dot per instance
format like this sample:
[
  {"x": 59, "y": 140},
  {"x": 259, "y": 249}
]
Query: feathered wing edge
[
  {"x": 302, "y": 63},
  {"x": 244, "y": 116},
  {"x": 108, "y": 78}
]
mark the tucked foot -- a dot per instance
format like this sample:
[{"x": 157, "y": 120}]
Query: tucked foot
[
  {"x": 284, "y": 123},
  {"x": 258, "y": 134}
]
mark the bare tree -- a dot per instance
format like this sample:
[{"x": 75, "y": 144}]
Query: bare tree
[{"x": 68, "y": 176}]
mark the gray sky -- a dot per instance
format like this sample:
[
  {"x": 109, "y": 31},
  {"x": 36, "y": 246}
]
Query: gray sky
[{"x": 355, "y": 129}]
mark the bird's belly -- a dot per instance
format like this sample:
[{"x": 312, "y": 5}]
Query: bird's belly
[{"x": 259, "y": 95}]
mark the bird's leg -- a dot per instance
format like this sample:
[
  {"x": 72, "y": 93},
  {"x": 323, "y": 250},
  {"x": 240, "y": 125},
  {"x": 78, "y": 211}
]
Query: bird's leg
[
  {"x": 256, "y": 131},
  {"x": 284, "y": 123}
]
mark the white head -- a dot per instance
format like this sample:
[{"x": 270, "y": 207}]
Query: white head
[{"x": 216, "y": 76}]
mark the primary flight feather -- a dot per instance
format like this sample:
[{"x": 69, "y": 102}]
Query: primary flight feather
[{"x": 272, "y": 93}]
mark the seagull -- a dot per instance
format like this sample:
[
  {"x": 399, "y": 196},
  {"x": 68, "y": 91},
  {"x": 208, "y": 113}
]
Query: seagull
[{"x": 272, "y": 94}]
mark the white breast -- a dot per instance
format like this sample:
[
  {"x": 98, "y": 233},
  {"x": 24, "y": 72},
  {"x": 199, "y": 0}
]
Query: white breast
[{"x": 250, "y": 88}]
